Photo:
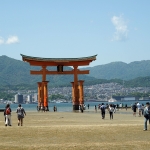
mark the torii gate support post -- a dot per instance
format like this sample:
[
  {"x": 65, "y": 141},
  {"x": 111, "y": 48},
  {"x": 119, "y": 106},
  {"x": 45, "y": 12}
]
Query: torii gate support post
[
  {"x": 45, "y": 93},
  {"x": 76, "y": 90},
  {"x": 81, "y": 94},
  {"x": 72, "y": 91},
  {"x": 39, "y": 93}
]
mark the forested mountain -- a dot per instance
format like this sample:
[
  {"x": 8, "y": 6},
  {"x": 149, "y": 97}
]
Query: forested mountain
[
  {"x": 14, "y": 72},
  {"x": 121, "y": 70},
  {"x": 17, "y": 72}
]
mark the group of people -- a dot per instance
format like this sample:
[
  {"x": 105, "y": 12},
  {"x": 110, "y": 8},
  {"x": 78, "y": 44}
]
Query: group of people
[
  {"x": 110, "y": 108},
  {"x": 82, "y": 107},
  {"x": 142, "y": 110},
  {"x": 42, "y": 108},
  {"x": 20, "y": 115}
]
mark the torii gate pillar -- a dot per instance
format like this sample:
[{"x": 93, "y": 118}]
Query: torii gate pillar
[
  {"x": 45, "y": 94},
  {"x": 81, "y": 94},
  {"x": 76, "y": 90},
  {"x": 72, "y": 91},
  {"x": 40, "y": 98}
]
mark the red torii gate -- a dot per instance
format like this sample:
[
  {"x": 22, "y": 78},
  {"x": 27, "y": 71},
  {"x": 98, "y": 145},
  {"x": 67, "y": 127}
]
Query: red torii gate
[{"x": 77, "y": 86}]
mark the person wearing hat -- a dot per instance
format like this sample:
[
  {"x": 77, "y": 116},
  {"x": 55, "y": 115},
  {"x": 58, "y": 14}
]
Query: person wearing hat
[{"x": 146, "y": 115}]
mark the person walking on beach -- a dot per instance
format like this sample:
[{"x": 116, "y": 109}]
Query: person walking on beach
[
  {"x": 103, "y": 110},
  {"x": 126, "y": 107},
  {"x": 139, "y": 106},
  {"x": 120, "y": 105},
  {"x": 7, "y": 113},
  {"x": 20, "y": 112},
  {"x": 134, "y": 109},
  {"x": 114, "y": 106},
  {"x": 55, "y": 108},
  {"x": 111, "y": 111},
  {"x": 142, "y": 109},
  {"x": 146, "y": 115},
  {"x": 81, "y": 108},
  {"x": 95, "y": 108}
]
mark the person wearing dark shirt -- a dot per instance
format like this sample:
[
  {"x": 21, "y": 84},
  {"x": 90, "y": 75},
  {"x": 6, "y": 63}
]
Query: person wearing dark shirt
[
  {"x": 134, "y": 109},
  {"x": 103, "y": 110},
  {"x": 126, "y": 106},
  {"x": 146, "y": 115},
  {"x": 88, "y": 106}
]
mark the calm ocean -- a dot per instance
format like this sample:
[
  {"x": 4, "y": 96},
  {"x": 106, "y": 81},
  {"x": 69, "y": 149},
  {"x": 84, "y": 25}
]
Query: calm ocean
[{"x": 66, "y": 107}]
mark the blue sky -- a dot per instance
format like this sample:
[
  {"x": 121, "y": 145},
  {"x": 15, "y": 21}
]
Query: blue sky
[{"x": 116, "y": 30}]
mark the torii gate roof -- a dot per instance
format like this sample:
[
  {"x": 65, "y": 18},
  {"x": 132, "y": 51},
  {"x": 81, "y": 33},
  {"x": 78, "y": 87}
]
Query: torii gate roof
[{"x": 38, "y": 61}]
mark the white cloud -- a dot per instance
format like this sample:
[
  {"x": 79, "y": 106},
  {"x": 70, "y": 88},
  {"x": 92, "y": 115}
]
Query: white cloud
[
  {"x": 1, "y": 40},
  {"x": 12, "y": 40},
  {"x": 121, "y": 33}
]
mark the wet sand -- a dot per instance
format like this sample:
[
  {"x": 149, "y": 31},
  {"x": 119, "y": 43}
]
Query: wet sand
[{"x": 75, "y": 131}]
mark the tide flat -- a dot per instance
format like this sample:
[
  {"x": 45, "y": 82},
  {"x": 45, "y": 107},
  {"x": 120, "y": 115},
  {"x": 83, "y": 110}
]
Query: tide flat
[{"x": 75, "y": 131}]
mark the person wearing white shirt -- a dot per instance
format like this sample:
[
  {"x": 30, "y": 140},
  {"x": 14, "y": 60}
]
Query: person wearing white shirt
[
  {"x": 111, "y": 111},
  {"x": 139, "y": 106}
]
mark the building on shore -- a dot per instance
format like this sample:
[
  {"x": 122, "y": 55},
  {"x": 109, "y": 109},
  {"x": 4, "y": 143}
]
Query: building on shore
[
  {"x": 29, "y": 99},
  {"x": 35, "y": 97},
  {"x": 19, "y": 98},
  {"x": 126, "y": 98}
]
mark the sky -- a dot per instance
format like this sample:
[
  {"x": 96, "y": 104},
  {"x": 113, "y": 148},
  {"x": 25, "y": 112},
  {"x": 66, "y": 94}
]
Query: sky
[{"x": 115, "y": 30}]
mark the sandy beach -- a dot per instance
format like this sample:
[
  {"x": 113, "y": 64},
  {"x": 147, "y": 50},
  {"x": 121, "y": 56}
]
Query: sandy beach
[{"x": 75, "y": 131}]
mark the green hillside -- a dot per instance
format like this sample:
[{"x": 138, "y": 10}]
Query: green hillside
[
  {"x": 137, "y": 82},
  {"x": 121, "y": 70},
  {"x": 14, "y": 72}
]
